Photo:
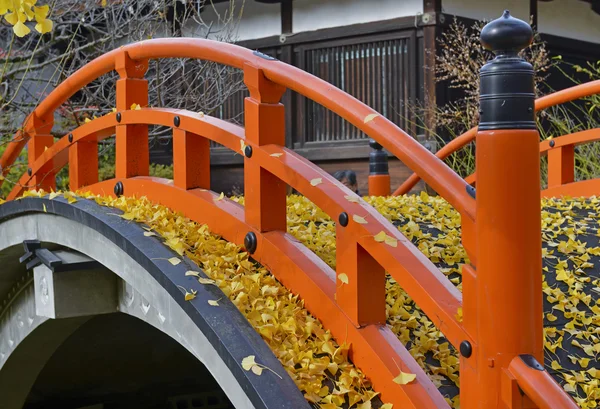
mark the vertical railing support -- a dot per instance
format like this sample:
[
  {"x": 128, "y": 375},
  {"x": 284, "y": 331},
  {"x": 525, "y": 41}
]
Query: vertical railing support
[
  {"x": 191, "y": 160},
  {"x": 508, "y": 278},
  {"x": 83, "y": 163},
  {"x": 132, "y": 150},
  {"x": 561, "y": 165},
  {"x": 379, "y": 175},
  {"x": 40, "y": 138},
  {"x": 264, "y": 117}
]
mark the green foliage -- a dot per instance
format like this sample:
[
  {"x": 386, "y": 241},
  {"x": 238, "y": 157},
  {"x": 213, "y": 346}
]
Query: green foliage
[
  {"x": 15, "y": 172},
  {"x": 106, "y": 169}
]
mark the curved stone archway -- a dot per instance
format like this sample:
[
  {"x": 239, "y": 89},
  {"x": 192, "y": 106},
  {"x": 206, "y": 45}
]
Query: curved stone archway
[{"x": 147, "y": 288}]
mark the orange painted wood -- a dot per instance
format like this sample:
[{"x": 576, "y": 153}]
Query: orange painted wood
[
  {"x": 191, "y": 160},
  {"x": 374, "y": 348},
  {"x": 547, "y": 101},
  {"x": 379, "y": 185},
  {"x": 83, "y": 164},
  {"x": 264, "y": 119},
  {"x": 132, "y": 149},
  {"x": 561, "y": 166},
  {"x": 435, "y": 173},
  {"x": 540, "y": 387},
  {"x": 362, "y": 298},
  {"x": 46, "y": 177},
  {"x": 509, "y": 260}
]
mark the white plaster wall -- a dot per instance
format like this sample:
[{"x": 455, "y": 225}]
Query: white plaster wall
[
  {"x": 487, "y": 9},
  {"x": 316, "y": 14},
  {"x": 566, "y": 18},
  {"x": 569, "y": 18},
  {"x": 257, "y": 20}
]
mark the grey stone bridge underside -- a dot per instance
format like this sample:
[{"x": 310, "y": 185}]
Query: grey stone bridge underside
[{"x": 145, "y": 286}]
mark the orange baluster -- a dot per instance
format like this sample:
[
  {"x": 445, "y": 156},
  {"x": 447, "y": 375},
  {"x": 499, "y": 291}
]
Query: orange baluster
[
  {"x": 265, "y": 194},
  {"x": 191, "y": 160},
  {"x": 561, "y": 165},
  {"x": 40, "y": 139},
  {"x": 83, "y": 163},
  {"x": 132, "y": 152}
]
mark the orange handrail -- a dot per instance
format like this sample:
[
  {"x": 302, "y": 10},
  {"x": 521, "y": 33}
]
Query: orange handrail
[
  {"x": 305, "y": 274},
  {"x": 547, "y": 101},
  {"x": 445, "y": 181}
]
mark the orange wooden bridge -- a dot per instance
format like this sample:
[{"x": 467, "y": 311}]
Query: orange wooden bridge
[{"x": 500, "y": 338}]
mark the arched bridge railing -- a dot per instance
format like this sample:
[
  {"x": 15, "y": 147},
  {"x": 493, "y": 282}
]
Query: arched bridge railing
[
  {"x": 352, "y": 307},
  {"x": 560, "y": 150}
]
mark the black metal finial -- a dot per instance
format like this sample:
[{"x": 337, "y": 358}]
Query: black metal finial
[
  {"x": 507, "y": 95},
  {"x": 378, "y": 159},
  {"x": 506, "y": 35},
  {"x": 375, "y": 145},
  {"x": 248, "y": 151},
  {"x": 70, "y": 137},
  {"x": 118, "y": 117},
  {"x": 176, "y": 121}
]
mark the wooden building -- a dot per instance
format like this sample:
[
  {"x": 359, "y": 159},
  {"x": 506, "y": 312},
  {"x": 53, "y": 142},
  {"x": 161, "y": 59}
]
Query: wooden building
[{"x": 378, "y": 51}]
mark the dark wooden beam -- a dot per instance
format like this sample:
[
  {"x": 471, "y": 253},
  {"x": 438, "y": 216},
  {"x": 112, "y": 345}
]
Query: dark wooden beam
[
  {"x": 432, "y": 9},
  {"x": 287, "y": 11},
  {"x": 533, "y": 13}
]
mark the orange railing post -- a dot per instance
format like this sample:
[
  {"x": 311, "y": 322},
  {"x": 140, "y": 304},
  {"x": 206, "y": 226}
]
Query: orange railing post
[
  {"x": 38, "y": 130},
  {"x": 561, "y": 165},
  {"x": 508, "y": 277},
  {"x": 264, "y": 116},
  {"x": 132, "y": 150}
]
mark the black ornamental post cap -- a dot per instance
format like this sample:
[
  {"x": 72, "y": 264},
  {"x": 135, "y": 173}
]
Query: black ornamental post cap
[
  {"x": 507, "y": 96},
  {"x": 506, "y": 35}
]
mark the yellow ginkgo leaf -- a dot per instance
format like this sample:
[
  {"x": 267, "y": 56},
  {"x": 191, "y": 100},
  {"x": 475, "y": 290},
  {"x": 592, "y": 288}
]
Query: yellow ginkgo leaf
[
  {"x": 221, "y": 197},
  {"x": 149, "y": 233},
  {"x": 276, "y": 155},
  {"x": 190, "y": 295},
  {"x": 352, "y": 199},
  {"x": 41, "y": 12},
  {"x": 359, "y": 219},
  {"x": 44, "y": 26},
  {"x": 11, "y": 18},
  {"x": 206, "y": 281},
  {"x": 242, "y": 145},
  {"x": 103, "y": 3},
  {"x": 343, "y": 278},
  {"x": 387, "y": 406},
  {"x": 555, "y": 365},
  {"x": 391, "y": 241},
  {"x": 380, "y": 237},
  {"x": 20, "y": 29},
  {"x": 70, "y": 197},
  {"x": 174, "y": 261},
  {"x": 53, "y": 195},
  {"x": 44, "y": 207},
  {"x": 192, "y": 273},
  {"x": 214, "y": 303},
  {"x": 316, "y": 181},
  {"x": 248, "y": 362},
  {"x": 405, "y": 378},
  {"x": 551, "y": 317},
  {"x": 135, "y": 107},
  {"x": 370, "y": 117}
]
